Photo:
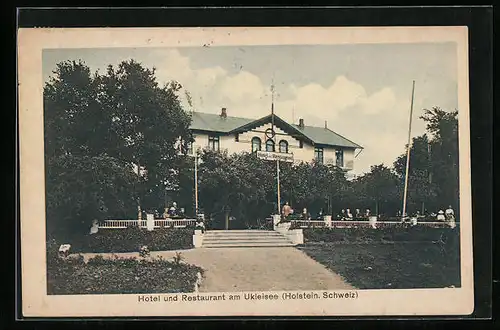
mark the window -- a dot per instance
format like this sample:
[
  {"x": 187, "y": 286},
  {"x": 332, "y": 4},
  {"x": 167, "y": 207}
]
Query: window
[
  {"x": 256, "y": 144},
  {"x": 283, "y": 146},
  {"x": 213, "y": 143},
  {"x": 339, "y": 158},
  {"x": 269, "y": 145},
  {"x": 318, "y": 155}
]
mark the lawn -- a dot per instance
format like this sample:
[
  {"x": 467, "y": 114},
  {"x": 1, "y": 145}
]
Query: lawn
[{"x": 399, "y": 259}]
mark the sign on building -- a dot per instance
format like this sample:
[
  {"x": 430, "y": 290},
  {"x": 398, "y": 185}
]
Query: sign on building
[{"x": 282, "y": 157}]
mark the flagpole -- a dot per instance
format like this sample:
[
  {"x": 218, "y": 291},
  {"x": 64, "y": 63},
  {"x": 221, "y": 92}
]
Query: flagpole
[
  {"x": 408, "y": 154},
  {"x": 278, "y": 179},
  {"x": 196, "y": 182},
  {"x": 274, "y": 140}
]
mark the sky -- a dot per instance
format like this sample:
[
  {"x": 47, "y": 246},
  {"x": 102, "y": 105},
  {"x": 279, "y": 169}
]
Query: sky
[{"x": 362, "y": 91}]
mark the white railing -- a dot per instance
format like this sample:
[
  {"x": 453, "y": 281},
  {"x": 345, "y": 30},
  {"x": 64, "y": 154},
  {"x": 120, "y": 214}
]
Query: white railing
[
  {"x": 108, "y": 224},
  {"x": 309, "y": 223},
  {"x": 362, "y": 223},
  {"x": 176, "y": 223},
  {"x": 158, "y": 223}
]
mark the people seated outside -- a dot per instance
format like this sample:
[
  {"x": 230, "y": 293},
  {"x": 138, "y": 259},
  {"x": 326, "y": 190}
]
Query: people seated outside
[
  {"x": 358, "y": 214},
  {"x": 367, "y": 213},
  {"x": 305, "y": 214},
  {"x": 200, "y": 222},
  {"x": 449, "y": 214},
  {"x": 320, "y": 214},
  {"x": 342, "y": 215},
  {"x": 172, "y": 211},
  {"x": 440, "y": 216},
  {"x": 348, "y": 214}
]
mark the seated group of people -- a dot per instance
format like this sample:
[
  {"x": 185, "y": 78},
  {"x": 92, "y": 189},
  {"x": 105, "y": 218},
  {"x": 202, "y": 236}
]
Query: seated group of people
[
  {"x": 347, "y": 215},
  {"x": 447, "y": 215}
]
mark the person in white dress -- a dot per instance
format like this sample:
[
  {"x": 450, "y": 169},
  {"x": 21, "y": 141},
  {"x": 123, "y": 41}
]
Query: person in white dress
[{"x": 440, "y": 216}]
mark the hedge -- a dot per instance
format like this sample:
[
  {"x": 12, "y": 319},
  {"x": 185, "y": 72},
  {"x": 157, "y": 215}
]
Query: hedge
[
  {"x": 117, "y": 276},
  {"x": 132, "y": 238},
  {"x": 391, "y": 234}
]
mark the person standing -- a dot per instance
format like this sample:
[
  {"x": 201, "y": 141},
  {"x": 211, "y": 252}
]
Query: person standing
[{"x": 286, "y": 211}]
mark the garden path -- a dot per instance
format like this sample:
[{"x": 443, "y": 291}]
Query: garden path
[{"x": 257, "y": 269}]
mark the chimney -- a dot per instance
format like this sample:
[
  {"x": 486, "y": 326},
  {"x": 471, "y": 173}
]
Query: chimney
[
  {"x": 301, "y": 123},
  {"x": 223, "y": 113},
  {"x": 326, "y": 124}
]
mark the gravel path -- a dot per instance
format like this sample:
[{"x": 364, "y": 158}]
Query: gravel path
[{"x": 256, "y": 269}]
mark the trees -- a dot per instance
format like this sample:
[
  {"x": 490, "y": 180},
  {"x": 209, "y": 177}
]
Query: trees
[
  {"x": 421, "y": 189},
  {"x": 110, "y": 123},
  {"x": 433, "y": 168},
  {"x": 379, "y": 189},
  {"x": 444, "y": 153}
]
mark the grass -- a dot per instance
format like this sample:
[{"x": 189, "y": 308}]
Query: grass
[{"x": 398, "y": 263}]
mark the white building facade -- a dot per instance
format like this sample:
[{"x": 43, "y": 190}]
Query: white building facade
[{"x": 306, "y": 143}]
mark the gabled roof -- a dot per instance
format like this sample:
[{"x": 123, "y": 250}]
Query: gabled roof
[
  {"x": 230, "y": 125},
  {"x": 215, "y": 123},
  {"x": 321, "y": 135}
]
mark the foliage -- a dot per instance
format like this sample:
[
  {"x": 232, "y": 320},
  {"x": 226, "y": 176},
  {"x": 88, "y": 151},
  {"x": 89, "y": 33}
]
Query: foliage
[
  {"x": 98, "y": 128},
  {"x": 379, "y": 189},
  {"x": 132, "y": 239},
  {"x": 178, "y": 258},
  {"x": 82, "y": 188},
  {"x": 433, "y": 173},
  {"x": 400, "y": 233},
  {"x": 144, "y": 251},
  {"x": 116, "y": 276}
]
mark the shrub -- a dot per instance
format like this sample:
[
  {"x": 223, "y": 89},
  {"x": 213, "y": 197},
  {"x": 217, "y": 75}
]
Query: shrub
[
  {"x": 394, "y": 233},
  {"x": 117, "y": 275},
  {"x": 132, "y": 238}
]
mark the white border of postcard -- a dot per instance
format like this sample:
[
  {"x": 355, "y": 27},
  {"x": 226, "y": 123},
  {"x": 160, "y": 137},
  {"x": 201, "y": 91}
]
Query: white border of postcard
[{"x": 36, "y": 302}]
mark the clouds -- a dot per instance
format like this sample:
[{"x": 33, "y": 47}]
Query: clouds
[{"x": 362, "y": 91}]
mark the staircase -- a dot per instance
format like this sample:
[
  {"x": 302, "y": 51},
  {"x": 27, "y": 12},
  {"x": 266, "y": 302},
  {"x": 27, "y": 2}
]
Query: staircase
[{"x": 244, "y": 238}]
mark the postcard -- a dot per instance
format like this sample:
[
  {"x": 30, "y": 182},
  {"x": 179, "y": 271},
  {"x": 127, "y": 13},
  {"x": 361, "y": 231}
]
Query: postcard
[{"x": 232, "y": 171}]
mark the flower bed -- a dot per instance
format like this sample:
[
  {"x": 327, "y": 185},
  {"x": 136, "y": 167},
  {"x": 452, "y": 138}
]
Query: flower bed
[
  {"x": 132, "y": 239},
  {"x": 117, "y": 275}
]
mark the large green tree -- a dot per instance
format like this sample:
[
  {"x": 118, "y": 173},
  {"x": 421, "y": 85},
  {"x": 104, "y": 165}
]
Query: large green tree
[
  {"x": 421, "y": 190},
  {"x": 111, "y": 123},
  {"x": 433, "y": 167}
]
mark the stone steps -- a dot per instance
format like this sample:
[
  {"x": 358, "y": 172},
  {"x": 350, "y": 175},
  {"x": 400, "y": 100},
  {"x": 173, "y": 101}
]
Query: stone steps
[{"x": 244, "y": 238}]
